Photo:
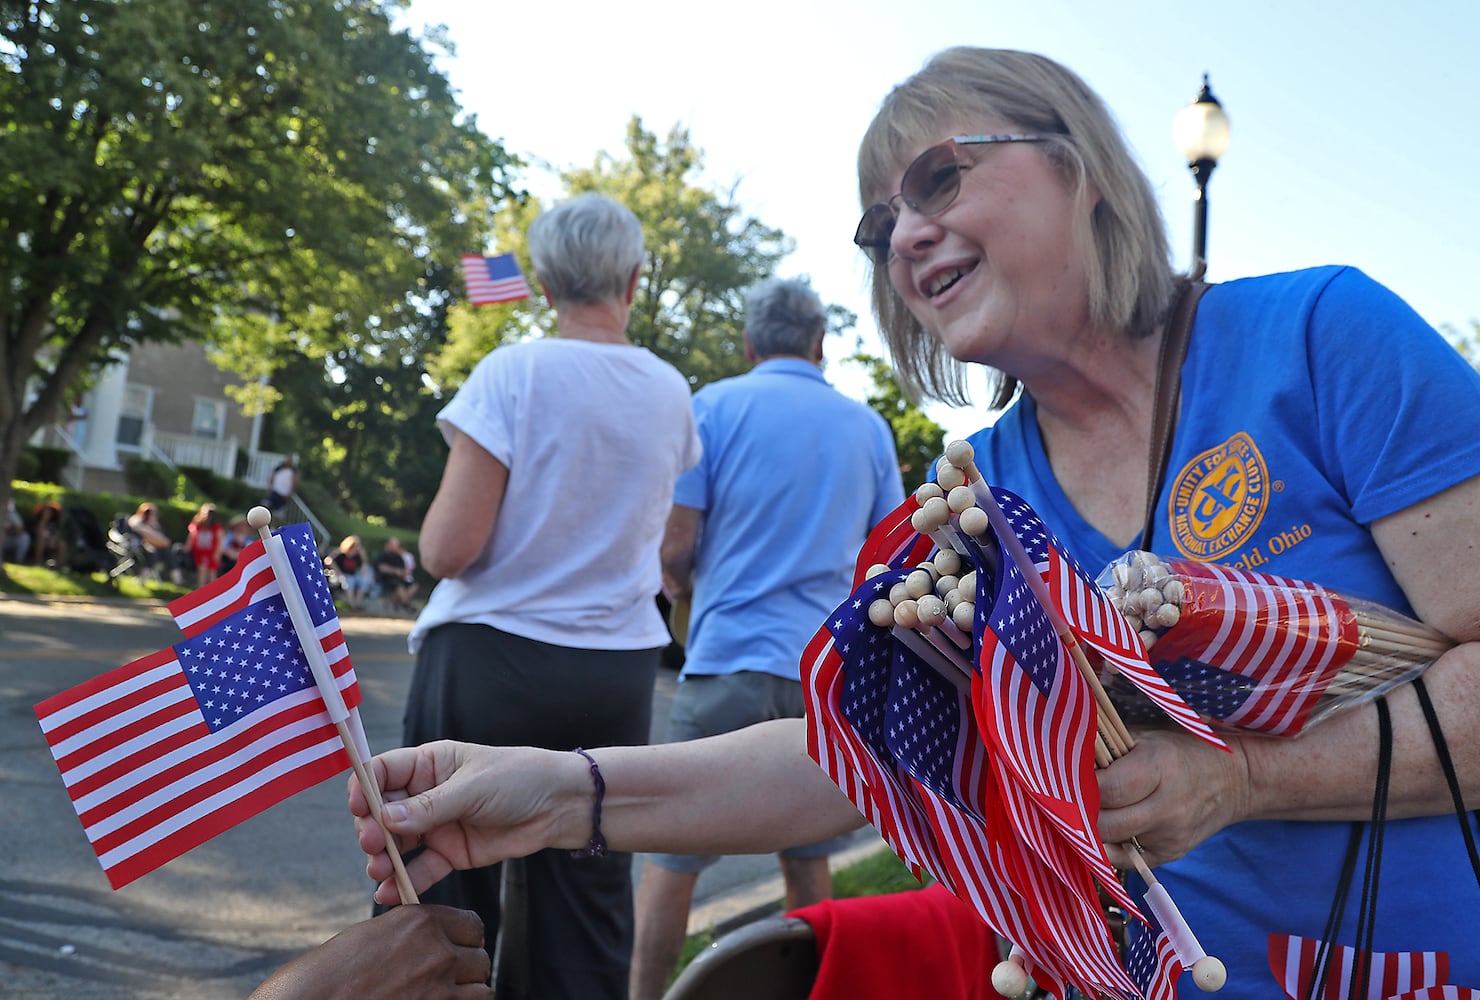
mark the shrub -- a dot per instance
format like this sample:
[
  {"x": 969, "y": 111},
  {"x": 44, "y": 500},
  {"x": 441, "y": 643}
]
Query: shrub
[{"x": 49, "y": 463}]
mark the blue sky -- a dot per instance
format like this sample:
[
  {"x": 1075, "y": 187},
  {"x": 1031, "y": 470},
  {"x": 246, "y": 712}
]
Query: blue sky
[{"x": 1353, "y": 124}]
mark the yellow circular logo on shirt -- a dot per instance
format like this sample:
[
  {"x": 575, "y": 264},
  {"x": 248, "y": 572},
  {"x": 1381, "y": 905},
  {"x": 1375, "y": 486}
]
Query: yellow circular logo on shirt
[{"x": 1219, "y": 498}]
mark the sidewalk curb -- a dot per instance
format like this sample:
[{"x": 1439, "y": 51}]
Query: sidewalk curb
[{"x": 763, "y": 897}]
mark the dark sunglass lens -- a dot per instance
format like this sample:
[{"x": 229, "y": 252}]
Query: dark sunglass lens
[
  {"x": 874, "y": 231},
  {"x": 931, "y": 182}
]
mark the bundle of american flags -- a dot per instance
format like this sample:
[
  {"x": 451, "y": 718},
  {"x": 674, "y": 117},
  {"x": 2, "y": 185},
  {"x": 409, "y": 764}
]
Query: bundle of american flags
[
  {"x": 1254, "y": 652},
  {"x": 965, "y": 726}
]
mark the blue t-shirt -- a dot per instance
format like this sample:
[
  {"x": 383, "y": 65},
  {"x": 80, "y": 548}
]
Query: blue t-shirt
[
  {"x": 1313, "y": 403},
  {"x": 793, "y": 476}
]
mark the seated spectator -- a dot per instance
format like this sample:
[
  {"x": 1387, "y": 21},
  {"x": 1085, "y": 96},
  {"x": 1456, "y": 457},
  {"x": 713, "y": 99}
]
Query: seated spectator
[
  {"x": 158, "y": 558},
  {"x": 395, "y": 570},
  {"x": 238, "y": 537},
  {"x": 351, "y": 571},
  {"x": 48, "y": 537},
  {"x": 16, "y": 541}
]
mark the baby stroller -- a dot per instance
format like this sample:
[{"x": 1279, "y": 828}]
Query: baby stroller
[
  {"x": 88, "y": 550},
  {"x": 127, "y": 547}
]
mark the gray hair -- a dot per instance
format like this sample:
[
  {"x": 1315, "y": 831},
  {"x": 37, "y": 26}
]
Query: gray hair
[
  {"x": 584, "y": 250},
  {"x": 784, "y": 317},
  {"x": 1123, "y": 237}
]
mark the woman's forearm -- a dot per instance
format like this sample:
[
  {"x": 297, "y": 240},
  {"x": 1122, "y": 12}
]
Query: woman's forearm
[
  {"x": 1328, "y": 772},
  {"x": 751, "y": 791}
]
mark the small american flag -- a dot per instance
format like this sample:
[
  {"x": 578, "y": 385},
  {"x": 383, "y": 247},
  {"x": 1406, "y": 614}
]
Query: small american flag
[
  {"x": 1391, "y": 975},
  {"x": 493, "y": 279},
  {"x": 1276, "y": 643},
  {"x": 163, "y": 753},
  {"x": 1150, "y": 956}
]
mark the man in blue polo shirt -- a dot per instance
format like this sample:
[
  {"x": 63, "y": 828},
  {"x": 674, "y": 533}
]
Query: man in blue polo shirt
[{"x": 761, "y": 542}]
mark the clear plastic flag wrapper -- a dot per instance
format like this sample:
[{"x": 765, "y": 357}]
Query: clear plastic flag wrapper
[{"x": 1252, "y": 652}]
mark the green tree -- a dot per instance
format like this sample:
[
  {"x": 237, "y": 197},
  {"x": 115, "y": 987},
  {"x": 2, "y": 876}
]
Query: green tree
[
  {"x": 703, "y": 250},
  {"x": 1467, "y": 342},
  {"x": 918, "y": 440},
  {"x": 279, "y": 178}
]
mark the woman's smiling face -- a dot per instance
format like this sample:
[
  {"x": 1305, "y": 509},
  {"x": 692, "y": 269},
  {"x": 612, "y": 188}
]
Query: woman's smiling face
[{"x": 998, "y": 267}]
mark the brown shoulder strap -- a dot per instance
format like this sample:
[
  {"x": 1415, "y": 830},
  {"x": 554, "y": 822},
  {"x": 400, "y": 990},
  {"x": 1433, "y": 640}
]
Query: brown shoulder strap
[{"x": 1168, "y": 394}]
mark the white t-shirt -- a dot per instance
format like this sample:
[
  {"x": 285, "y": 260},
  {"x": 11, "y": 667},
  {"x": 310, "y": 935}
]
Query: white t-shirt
[
  {"x": 282, "y": 481},
  {"x": 594, "y": 436}
]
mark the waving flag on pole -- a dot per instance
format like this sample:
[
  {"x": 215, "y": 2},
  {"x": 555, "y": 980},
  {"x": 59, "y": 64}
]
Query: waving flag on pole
[
  {"x": 493, "y": 279},
  {"x": 163, "y": 753}
]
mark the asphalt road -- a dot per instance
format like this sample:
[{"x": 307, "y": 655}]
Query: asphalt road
[{"x": 214, "y": 922}]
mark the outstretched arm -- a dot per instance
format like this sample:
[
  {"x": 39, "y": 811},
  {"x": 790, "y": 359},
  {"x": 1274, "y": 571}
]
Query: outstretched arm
[{"x": 753, "y": 790}]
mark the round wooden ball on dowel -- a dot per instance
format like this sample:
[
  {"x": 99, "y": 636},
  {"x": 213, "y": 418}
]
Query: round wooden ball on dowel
[
  {"x": 1209, "y": 974},
  {"x": 1009, "y": 978},
  {"x": 259, "y": 518},
  {"x": 950, "y": 477},
  {"x": 963, "y": 615},
  {"x": 932, "y": 610},
  {"x": 881, "y": 613},
  {"x": 936, "y": 512},
  {"x": 928, "y": 491},
  {"x": 960, "y": 498},
  {"x": 973, "y": 521},
  {"x": 919, "y": 583},
  {"x": 875, "y": 570},
  {"x": 906, "y": 614},
  {"x": 961, "y": 455},
  {"x": 947, "y": 562}
]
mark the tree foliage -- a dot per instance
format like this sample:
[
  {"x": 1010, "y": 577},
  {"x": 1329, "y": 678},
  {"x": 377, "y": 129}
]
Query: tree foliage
[
  {"x": 285, "y": 179},
  {"x": 703, "y": 251},
  {"x": 1467, "y": 342},
  {"x": 918, "y": 440}
]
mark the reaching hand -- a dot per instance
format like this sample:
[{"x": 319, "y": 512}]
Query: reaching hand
[
  {"x": 469, "y": 806},
  {"x": 430, "y": 952}
]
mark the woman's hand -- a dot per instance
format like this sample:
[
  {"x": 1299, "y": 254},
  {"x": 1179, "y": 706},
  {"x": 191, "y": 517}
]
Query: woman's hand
[
  {"x": 412, "y": 951},
  {"x": 470, "y": 806},
  {"x": 1170, "y": 793}
]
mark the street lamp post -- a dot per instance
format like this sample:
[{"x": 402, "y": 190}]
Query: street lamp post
[{"x": 1201, "y": 133}]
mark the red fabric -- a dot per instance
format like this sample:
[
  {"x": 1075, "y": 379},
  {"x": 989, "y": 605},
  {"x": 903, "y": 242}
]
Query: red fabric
[{"x": 921, "y": 943}]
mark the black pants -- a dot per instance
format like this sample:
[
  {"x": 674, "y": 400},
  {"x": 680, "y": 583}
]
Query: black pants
[{"x": 559, "y": 928}]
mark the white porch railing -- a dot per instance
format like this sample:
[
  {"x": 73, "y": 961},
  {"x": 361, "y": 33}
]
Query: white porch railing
[
  {"x": 201, "y": 453},
  {"x": 260, "y": 465}
]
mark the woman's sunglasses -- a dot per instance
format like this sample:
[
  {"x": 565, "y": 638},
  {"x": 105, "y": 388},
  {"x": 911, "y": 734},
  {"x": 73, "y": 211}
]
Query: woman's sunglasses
[{"x": 929, "y": 186}]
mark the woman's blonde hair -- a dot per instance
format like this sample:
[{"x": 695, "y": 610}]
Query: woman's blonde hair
[{"x": 1124, "y": 240}]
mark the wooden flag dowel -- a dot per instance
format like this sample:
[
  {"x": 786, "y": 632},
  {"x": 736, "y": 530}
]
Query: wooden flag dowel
[
  {"x": 1109, "y": 719},
  {"x": 377, "y": 805},
  {"x": 261, "y": 519},
  {"x": 1418, "y": 630},
  {"x": 1208, "y": 973},
  {"x": 1402, "y": 644}
]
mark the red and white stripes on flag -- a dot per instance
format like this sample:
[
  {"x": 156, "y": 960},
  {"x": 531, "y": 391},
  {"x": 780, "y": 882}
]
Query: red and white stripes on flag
[
  {"x": 1093, "y": 618},
  {"x": 167, "y": 751},
  {"x": 490, "y": 280},
  {"x": 1391, "y": 975},
  {"x": 1263, "y": 648}
]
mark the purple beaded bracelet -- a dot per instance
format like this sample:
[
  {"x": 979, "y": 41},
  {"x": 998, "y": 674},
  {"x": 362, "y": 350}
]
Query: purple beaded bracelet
[{"x": 597, "y": 847}]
